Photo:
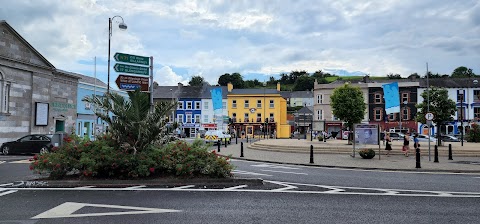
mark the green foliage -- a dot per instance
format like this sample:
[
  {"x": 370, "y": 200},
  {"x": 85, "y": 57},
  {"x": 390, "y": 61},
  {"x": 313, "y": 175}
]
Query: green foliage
[
  {"x": 348, "y": 104},
  {"x": 235, "y": 78},
  {"x": 473, "y": 134},
  {"x": 304, "y": 82},
  {"x": 462, "y": 72},
  {"x": 441, "y": 106},
  {"x": 196, "y": 81},
  {"x": 103, "y": 158},
  {"x": 392, "y": 76},
  {"x": 367, "y": 153},
  {"x": 133, "y": 123}
]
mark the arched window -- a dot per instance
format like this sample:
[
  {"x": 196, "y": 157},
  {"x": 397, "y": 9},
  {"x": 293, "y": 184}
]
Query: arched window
[{"x": 4, "y": 94}]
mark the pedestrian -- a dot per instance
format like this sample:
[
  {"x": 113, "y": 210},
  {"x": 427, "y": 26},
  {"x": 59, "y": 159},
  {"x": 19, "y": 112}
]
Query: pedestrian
[
  {"x": 384, "y": 136},
  {"x": 388, "y": 143},
  {"x": 416, "y": 142},
  {"x": 406, "y": 144}
]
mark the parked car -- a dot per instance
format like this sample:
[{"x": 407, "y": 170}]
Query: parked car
[
  {"x": 214, "y": 136},
  {"x": 36, "y": 143},
  {"x": 424, "y": 138},
  {"x": 450, "y": 138},
  {"x": 395, "y": 136}
]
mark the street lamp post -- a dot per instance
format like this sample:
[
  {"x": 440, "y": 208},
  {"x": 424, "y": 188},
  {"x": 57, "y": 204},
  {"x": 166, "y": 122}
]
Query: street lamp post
[
  {"x": 461, "y": 93},
  {"x": 264, "y": 110},
  {"x": 122, "y": 26}
]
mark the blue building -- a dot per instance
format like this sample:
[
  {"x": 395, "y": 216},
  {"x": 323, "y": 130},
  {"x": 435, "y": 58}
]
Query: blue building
[
  {"x": 189, "y": 109},
  {"x": 88, "y": 124}
]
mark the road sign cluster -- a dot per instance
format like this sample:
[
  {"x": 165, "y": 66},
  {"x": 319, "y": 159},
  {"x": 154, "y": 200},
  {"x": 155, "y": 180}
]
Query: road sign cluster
[{"x": 132, "y": 82}]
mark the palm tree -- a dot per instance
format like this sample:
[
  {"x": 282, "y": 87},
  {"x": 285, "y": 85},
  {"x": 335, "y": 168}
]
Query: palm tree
[{"x": 133, "y": 123}]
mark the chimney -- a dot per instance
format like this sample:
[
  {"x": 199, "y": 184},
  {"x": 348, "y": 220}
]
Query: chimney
[
  {"x": 366, "y": 79},
  {"x": 229, "y": 87},
  {"x": 278, "y": 86},
  {"x": 180, "y": 85}
]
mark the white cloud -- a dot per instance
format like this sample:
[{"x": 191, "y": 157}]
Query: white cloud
[{"x": 165, "y": 76}]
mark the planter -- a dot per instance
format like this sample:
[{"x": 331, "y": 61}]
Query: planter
[{"x": 367, "y": 153}]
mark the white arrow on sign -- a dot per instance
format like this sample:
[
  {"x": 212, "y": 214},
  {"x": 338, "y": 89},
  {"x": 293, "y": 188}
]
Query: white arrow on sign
[{"x": 67, "y": 209}]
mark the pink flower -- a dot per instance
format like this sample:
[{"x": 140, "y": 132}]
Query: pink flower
[
  {"x": 31, "y": 167},
  {"x": 152, "y": 169}
]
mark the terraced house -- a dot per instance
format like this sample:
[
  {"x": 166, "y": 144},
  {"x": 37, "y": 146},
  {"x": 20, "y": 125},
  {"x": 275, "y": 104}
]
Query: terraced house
[{"x": 258, "y": 112}]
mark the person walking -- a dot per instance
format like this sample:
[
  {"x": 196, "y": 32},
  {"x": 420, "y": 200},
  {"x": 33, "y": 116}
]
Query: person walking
[
  {"x": 388, "y": 144},
  {"x": 406, "y": 144}
]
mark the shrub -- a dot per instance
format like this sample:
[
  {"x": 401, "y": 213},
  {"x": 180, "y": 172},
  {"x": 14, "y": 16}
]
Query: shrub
[
  {"x": 367, "y": 153},
  {"x": 473, "y": 134},
  {"x": 320, "y": 138},
  {"x": 103, "y": 158}
]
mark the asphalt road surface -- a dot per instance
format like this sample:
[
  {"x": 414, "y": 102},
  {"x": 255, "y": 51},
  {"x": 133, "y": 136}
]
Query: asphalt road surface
[{"x": 289, "y": 194}]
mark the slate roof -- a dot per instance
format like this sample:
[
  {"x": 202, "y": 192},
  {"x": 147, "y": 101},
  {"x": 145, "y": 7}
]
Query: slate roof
[
  {"x": 450, "y": 82},
  {"x": 301, "y": 94},
  {"x": 207, "y": 95},
  {"x": 199, "y": 92},
  {"x": 254, "y": 91},
  {"x": 286, "y": 94},
  {"x": 91, "y": 80},
  {"x": 306, "y": 110},
  {"x": 165, "y": 92}
]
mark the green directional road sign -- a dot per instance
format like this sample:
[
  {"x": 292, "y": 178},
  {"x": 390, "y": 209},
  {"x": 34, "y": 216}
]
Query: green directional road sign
[
  {"x": 134, "y": 59},
  {"x": 132, "y": 69}
]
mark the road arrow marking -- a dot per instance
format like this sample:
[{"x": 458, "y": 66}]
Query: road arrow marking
[
  {"x": 276, "y": 171},
  {"x": 6, "y": 192},
  {"x": 2, "y": 162},
  {"x": 67, "y": 209}
]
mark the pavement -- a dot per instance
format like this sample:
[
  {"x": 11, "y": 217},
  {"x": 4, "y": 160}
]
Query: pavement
[{"x": 293, "y": 151}]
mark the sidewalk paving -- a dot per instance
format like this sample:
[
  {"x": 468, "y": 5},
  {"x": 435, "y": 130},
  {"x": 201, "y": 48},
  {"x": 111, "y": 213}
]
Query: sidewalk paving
[{"x": 393, "y": 162}]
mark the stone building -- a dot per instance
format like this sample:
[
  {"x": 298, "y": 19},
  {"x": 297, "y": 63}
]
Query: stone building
[{"x": 35, "y": 96}]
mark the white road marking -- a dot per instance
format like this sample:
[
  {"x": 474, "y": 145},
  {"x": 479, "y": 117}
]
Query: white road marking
[
  {"x": 276, "y": 166},
  {"x": 250, "y": 173},
  {"x": 67, "y": 209},
  {"x": 2, "y": 162},
  {"x": 287, "y": 186},
  {"x": 83, "y": 187},
  {"x": 135, "y": 187},
  {"x": 276, "y": 171},
  {"x": 235, "y": 187},
  {"x": 183, "y": 187},
  {"x": 3, "y": 185},
  {"x": 7, "y": 192},
  {"x": 22, "y": 161}
]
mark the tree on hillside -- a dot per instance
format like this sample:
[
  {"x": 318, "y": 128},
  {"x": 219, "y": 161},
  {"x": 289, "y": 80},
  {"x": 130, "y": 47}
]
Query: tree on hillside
[
  {"x": 348, "y": 104},
  {"x": 294, "y": 75},
  {"x": 235, "y": 78},
  {"x": 392, "y": 76},
  {"x": 462, "y": 72},
  {"x": 414, "y": 75},
  {"x": 196, "y": 81},
  {"x": 441, "y": 106},
  {"x": 304, "y": 83}
]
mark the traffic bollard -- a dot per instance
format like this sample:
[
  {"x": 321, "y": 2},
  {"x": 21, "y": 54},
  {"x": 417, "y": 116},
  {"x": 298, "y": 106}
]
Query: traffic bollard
[
  {"x": 226, "y": 142},
  {"x": 236, "y": 139},
  {"x": 450, "y": 152},
  {"x": 311, "y": 153},
  {"x": 247, "y": 138},
  {"x": 436, "y": 154},
  {"x": 241, "y": 149},
  {"x": 417, "y": 158},
  {"x": 219, "y": 143}
]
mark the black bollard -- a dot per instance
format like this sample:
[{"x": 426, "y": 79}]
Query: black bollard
[
  {"x": 236, "y": 139},
  {"x": 247, "y": 138},
  {"x": 436, "y": 154},
  {"x": 241, "y": 149},
  {"x": 311, "y": 153},
  {"x": 218, "y": 145},
  {"x": 450, "y": 152},
  {"x": 417, "y": 158},
  {"x": 226, "y": 142}
]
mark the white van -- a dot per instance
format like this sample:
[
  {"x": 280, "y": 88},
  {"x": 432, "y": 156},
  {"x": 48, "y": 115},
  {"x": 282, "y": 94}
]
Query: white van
[{"x": 213, "y": 136}]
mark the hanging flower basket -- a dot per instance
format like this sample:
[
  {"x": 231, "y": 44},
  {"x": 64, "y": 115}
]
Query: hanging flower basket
[{"x": 367, "y": 153}]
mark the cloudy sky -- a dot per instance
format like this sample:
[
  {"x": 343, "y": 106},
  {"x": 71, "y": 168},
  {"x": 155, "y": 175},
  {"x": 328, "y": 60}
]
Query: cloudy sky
[{"x": 256, "y": 38}]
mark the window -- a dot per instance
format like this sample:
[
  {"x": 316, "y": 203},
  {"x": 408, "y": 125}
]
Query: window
[
  {"x": 205, "y": 118},
  {"x": 4, "y": 94},
  {"x": 259, "y": 103},
  {"x": 271, "y": 117},
  {"x": 405, "y": 98},
  {"x": 180, "y": 118},
  {"x": 334, "y": 118},
  {"x": 247, "y": 105},
  {"x": 189, "y": 105},
  {"x": 461, "y": 113},
  {"x": 234, "y": 117},
  {"x": 197, "y": 118},
  {"x": 476, "y": 96},
  {"x": 377, "y": 114},
  {"x": 205, "y": 105},
  {"x": 272, "y": 104},
  {"x": 378, "y": 98},
  {"x": 405, "y": 116},
  {"x": 197, "y": 105},
  {"x": 476, "y": 112},
  {"x": 319, "y": 114},
  {"x": 224, "y": 105},
  {"x": 246, "y": 117},
  {"x": 189, "y": 118},
  {"x": 259, "y": 117},
  {"x": 460, "y": 96},
  {"x": 234, "y": 104},
  {"x": 180, "y": 106},
  {"x": 391, "y": 117},
  {"x": 320, "y": 99}
]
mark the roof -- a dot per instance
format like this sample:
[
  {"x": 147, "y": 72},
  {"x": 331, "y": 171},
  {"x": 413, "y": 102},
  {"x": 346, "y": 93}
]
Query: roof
[
  {"x": 20, "y": 38},
  {"x": 301, "y": 94},
  {"x": 286, "y": 94},
  {"x": 306, "y": 110},
  {"x": 200, "y": 92},
  {"x": 254, "y": 91},
  {"x": 165, "y": 92},
  {"x": 206, "y": 94},
  {"x": 451, "y": 82}
]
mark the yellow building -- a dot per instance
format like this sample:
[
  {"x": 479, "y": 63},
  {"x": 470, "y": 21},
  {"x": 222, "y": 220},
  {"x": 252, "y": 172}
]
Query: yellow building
[{"x": 258, "y": 112}]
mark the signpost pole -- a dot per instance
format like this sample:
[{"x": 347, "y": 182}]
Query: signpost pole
[{"x": 151, "y": 84}]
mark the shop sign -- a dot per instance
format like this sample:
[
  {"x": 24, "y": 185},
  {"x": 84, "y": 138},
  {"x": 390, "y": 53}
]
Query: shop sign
[
  {"x": 63, "y": 107},
  {"x": 209, "y": 125}
]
